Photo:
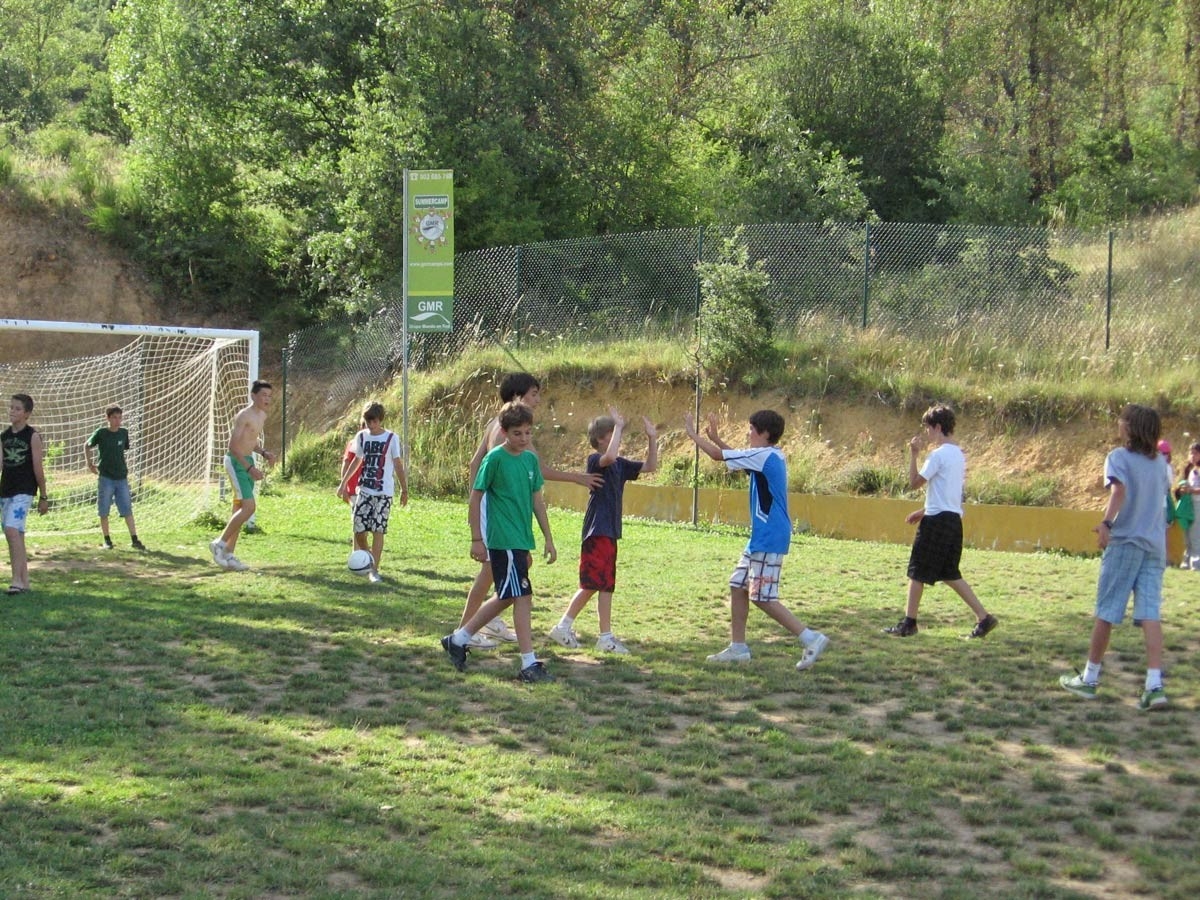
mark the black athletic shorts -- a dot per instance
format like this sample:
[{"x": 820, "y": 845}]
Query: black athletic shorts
[{"x": 937, "y": 549}]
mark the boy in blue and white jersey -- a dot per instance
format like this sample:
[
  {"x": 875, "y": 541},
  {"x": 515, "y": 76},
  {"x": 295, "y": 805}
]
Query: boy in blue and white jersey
[{"x": 756, "y": 577}]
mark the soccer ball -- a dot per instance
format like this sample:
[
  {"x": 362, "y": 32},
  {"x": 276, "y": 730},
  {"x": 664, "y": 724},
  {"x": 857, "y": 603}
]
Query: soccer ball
[{"x": 360, "y": 562}]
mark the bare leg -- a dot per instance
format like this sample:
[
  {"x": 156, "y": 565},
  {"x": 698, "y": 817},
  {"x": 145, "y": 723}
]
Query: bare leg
[
  {"x": 481, "y": 587},
  {"x": 20, "y": 559},
  {"x": 128, "y": 524},
  {"x": 522, "y": 608},
  {"x": 1101, "y": 634},
  {"x": 104, "y": 525},
  {"x": 739, "y": 611},
  {"x": 782, "y": 615},
  {"x": 604, "y": 611},
  {"x": 915, "y": 591},
  {"x": 230, "y": 535},
  {"x": 963, "y": 590},
  {"x": 579, "y": 601},
  {"x": 376, "y": 548},
  {"x": 485, "y": 614},
  {"x": 1152, "y": 634}
]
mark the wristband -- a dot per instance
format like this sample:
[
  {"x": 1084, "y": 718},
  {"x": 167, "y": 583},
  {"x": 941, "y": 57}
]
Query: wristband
[{"x": 1107, "y": 523}]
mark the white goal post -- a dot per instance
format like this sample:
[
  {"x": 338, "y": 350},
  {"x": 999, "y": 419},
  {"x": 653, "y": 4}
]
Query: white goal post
[{"x": 179, "y": 389}]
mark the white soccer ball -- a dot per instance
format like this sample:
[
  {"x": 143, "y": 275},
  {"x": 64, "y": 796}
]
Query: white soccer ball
[{"x": 360, "y": 562}]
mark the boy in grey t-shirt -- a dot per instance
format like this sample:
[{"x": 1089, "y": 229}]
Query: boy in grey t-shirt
[{"x": 1133, "y": 538}]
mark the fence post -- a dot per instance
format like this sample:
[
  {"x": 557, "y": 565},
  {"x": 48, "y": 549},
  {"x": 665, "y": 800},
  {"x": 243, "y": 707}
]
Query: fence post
[
  {"x": 866, "y": 271},
  {"x": 283, "y": 440},
  {"x": 1108, "y": 295},
  {"x": 696, "y": 337}
]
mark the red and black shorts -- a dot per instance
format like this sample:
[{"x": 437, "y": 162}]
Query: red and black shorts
[{"x": 598, "y": 564}]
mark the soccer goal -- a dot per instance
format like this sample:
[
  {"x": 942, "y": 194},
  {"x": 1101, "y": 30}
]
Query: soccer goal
[{"x": 179, "y": 389}]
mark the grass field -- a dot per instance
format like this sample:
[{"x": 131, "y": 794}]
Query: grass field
[{"x": 171, "y": 730}]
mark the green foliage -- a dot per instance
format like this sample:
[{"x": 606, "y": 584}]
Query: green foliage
[{"x": 735, "y": 319}]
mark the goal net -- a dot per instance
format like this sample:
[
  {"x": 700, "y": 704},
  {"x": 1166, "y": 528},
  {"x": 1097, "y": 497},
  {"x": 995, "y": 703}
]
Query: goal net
[{"x": 179, "y": 390}]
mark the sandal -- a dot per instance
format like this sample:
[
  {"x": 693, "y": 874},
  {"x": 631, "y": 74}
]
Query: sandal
[{"x": 13, "y": 589}]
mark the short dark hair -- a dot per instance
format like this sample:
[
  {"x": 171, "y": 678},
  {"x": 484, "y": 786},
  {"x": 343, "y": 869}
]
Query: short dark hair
[
  {"x": 598, "y": 428},
  {"x": 768, "y": 422},
  {"x": 25, "y": 400},
  {"x": 517, "y": 384},
  {"x": 258, "y": 386},
  {"x": 940, "y": 414},
  {"x": 373, "y": 410},
  {"x": 113, "y": 411},
  {"x": 1144, "y": 427},
  {"x": 514, "y": 415}
]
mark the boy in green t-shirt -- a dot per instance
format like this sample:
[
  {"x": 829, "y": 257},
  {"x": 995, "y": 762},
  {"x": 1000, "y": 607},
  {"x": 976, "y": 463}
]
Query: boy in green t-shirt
[
  {"x": 110, "y": 443},
  {"x": 511, "y": 478}
]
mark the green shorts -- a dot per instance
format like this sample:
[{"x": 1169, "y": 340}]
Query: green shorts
[{"x": 239, "y": 475}]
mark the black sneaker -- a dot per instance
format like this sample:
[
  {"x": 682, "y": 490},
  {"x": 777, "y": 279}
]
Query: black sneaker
[
  {"x": 983, "y": 626},
  {"x": 535, "y": 673},
  {"x": 138, "y": 545},
  {"x": 457, "y": 654},
  {"x": 903, "y": 628}
]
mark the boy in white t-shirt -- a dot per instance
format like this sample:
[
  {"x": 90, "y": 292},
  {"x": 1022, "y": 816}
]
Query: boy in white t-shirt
[
  {"x": 937, "y": 548},
  {"x": 378, "y": 464}
]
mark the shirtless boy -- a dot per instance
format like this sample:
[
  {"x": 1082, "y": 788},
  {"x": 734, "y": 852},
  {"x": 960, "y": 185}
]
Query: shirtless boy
[{"x": 239, "y": 464}]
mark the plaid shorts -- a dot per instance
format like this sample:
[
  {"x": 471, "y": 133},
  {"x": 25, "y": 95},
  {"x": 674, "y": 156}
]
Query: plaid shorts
[
  {"x": 937, "y": 549},
  {"x": 758, "y": 574},
  {"x": 1126, "y": 569}
]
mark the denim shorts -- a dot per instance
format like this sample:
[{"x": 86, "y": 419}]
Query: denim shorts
[
  {"x": 1129, "y": 569},
  {"x": 111, "y": 489}
]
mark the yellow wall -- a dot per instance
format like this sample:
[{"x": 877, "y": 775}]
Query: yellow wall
[{"x": 1017, "y": 528}]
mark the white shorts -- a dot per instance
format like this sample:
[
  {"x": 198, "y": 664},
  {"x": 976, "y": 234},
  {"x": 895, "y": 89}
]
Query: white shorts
[
  {"x": 14, "y": 511},
  {"x": 758, "y": 574}
]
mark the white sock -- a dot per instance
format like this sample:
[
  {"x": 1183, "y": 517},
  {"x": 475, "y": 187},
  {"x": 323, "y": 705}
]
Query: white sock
[
  {"x": 603, "y": 635},
  {"x": 1091, "y": 672},
  {"x": 1153, "y": 679},
  {"x": 566, "y": 622},
  {"x": 807, "y": 636},
  {"x": 741, "y": 646},
  {"x": 461, "y": 637},
  {"x": 528, "y": 659}
]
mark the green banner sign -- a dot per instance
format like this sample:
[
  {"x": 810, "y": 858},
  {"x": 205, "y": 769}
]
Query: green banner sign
[{"x": 429, "y": 207}]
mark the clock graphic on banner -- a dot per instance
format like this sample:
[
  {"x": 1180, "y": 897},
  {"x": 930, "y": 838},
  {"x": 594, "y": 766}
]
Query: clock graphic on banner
[{"x": 430, "y": 228}]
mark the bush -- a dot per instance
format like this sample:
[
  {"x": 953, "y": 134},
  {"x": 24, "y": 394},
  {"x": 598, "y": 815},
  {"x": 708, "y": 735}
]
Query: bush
[{"x": 735, "y": 318}]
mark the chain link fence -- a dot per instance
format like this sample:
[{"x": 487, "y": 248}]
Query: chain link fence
[{"x": 1079, "y": 292}]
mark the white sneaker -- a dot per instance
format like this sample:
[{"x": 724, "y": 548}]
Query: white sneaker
[
  {"x": 218, "y": 552},
  {"x": 498, "y": 629},
  {"x": 812, "y": 652},
  {"x": 730, "y": 654},
  {"x": 233, "y": 564},
  {"x": 564, "y": 636},
  {"x": 374, "y": 577},
  {"x": 611, "y": 645},
  {"x": 482, "y": 642}
]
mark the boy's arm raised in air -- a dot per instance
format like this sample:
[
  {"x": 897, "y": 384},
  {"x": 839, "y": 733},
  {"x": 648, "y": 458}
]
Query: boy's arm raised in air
[
  {"x": 651, "y": 463},
  {"x": 712, "y": 449},
  {"x": 713, "y": 432},
  {"x": 613, "y": 450},
  {"x": 543, "y": 520}
]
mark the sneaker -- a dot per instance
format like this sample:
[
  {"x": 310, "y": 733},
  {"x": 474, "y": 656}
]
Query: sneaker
[
  {"x": 1077, "y": 686},
  {"x": 218, "y": 551},
  {"x": 482, "y": 642},
  {"x": 1153, "y": 699},
  {"x": 903, "y": 628},
  {"x": 137, "y": 545},
  {"x": 374, "y": 577},
  {"x": 535, "y": 673},
  {"x": 984, "y": 626},
  {"x": 564, "y": 636},
  {"x": 457, "y": 654},
  {"x": 233, "y": 564},
  {"x": 107, "y": 545},
  {"x": 730, "y": 654},
  {"x": 611, "y": 645},
  {"x": 812, "y": 652},
  {"x": 498, "y": 629}
]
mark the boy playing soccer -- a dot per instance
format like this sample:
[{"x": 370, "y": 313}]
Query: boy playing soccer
[
  {"x": 111, "y": 442},
  {"x": 377, "y": 467},
  {"x": 937, "y": 548},
  {"x": 22, "y": 477},
  {"x": 756, "y": 577},
  {"x": 602, "y": 528},
  {"x": 1133, "y": 539},
  {"x": 244, "y": 440},
  {"x": 518, "y": 387},
  {"x": 511, "y": 480}
]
